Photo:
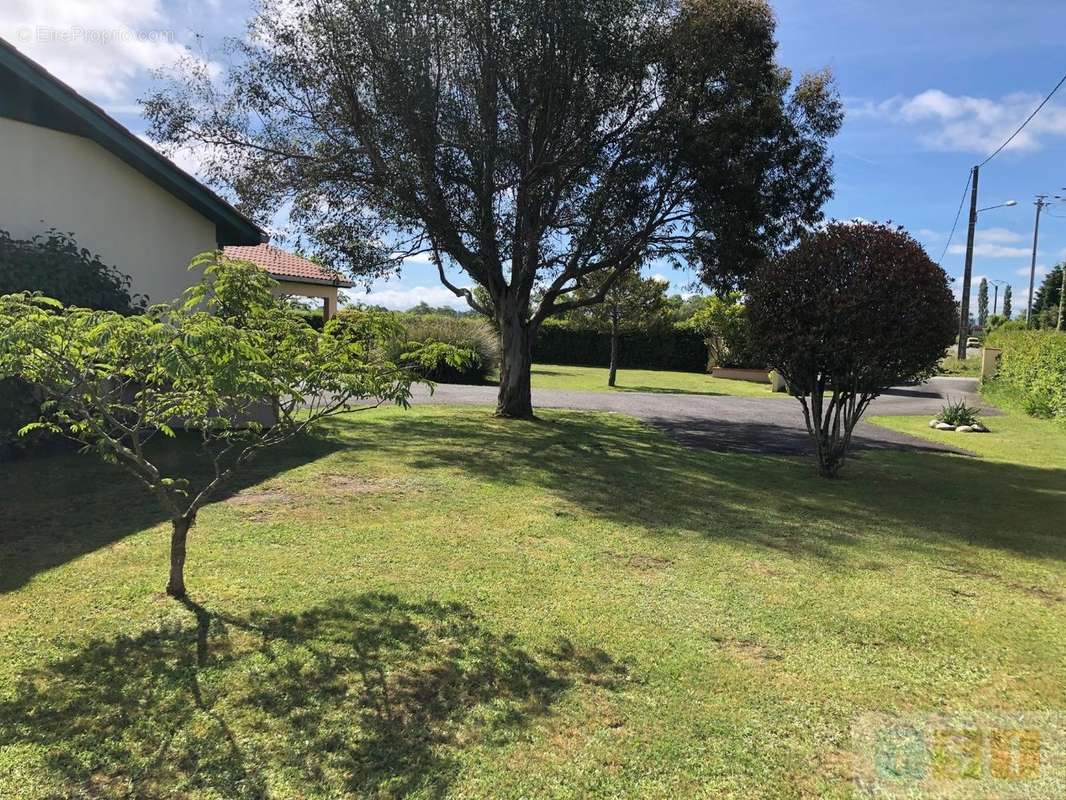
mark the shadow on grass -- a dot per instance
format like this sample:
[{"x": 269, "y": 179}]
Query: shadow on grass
[
  {"x": 372, "y": 696},
  {"x": 618, "y": 469},
  {"x": 57, "y": 508}
]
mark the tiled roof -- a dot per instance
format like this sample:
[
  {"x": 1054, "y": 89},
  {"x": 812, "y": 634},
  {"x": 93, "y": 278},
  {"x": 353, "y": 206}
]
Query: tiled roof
[{"x": 286, "y": 266}]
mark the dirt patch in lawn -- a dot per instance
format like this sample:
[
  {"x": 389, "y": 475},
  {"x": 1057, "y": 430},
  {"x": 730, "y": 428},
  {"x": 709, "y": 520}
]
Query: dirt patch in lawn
[
  {"x": 1032, "y": 590},
  {"x": 643, "y": 562},
  {"x": 258, "y": 496},
  {"x": 347, "y": 484}
]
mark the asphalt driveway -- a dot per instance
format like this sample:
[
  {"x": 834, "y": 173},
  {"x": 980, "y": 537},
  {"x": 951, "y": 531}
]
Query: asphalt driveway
[{"x": 770, "y": 425}]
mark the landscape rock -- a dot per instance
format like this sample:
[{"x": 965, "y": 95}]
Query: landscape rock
[
  {"x": 933, "y": 423},
  {"x": 943, "y": 426},
  {"x": 964, "y": 429},
  {"x": 979, "y": 428}
]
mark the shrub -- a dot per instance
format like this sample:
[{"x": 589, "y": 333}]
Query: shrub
[
  {"x": 1031, "y": 375},
  {"x": 724, "y": 324},
  {"x": 54, "y": 265},
  {"x": 471, "y": 336},
  {"x": 958, "y": 413},
  {"x": 853, "y": 308}
]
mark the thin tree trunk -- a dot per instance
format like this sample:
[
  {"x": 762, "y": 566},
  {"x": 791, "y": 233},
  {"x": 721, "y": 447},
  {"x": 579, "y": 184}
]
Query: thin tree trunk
[
  {"x": 516, "y": 360},
  {"x": 614, "y": 354},
  {"x": 178, "y": 536}
]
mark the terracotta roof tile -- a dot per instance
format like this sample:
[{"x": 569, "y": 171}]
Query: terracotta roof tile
[{"x": 286, "y": 266}]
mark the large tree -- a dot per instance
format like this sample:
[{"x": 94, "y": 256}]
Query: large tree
[{"x": 542, "y": 147}]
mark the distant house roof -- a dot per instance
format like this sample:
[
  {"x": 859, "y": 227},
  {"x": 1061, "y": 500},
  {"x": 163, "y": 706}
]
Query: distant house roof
[
  {"x": 287, "y": 266},
  {"x": 33, "y": 95}
]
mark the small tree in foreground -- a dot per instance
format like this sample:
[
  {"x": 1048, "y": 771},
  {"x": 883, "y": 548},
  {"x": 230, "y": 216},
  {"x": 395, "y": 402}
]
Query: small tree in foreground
[
  {"x": 212, "y": 363},
  {"x": 852, "y": 310}
]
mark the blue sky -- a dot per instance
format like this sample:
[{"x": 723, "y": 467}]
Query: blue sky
[{"x": 930, "y": 88}]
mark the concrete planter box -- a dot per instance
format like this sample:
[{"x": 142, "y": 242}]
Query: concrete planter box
[
  {"x": 737, "y": 374},
  {"x": 989, "y": 361}
]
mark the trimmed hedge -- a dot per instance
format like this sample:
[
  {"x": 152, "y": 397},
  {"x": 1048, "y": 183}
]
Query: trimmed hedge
[
  {"x": 1032, "y": 372},
  {"x": 664, "y": 347}
]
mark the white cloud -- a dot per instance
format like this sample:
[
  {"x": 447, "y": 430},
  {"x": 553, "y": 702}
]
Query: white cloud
[
  {"x": 1024, "y": 271},
  {"x": 403, "y": 299},
  {"x": 97, "y": 47},
  {"x": 997, "y": 236},
  {"x": 972, "y": 124},
  {"x": 989, "y": 250}
]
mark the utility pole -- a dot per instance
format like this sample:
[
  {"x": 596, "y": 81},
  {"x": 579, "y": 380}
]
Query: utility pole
[
  {"x": 1041, "y": 201},
  {"x": 995, "y": 301},
  {"x": 964, "y": 307}
]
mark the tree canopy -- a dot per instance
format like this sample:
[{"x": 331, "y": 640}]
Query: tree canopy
[
  {"x": 850, "y": 311},
  {"x": 542, "y": 147},
  {"x": 229, "y": 363},
  {"x": 1048, "y": 298}
]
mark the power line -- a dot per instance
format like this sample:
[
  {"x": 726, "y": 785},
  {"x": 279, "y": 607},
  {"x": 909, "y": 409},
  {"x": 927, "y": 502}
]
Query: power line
[
  {"x": 958, "y": 214},
  {"x": 1027, "y": 121}
]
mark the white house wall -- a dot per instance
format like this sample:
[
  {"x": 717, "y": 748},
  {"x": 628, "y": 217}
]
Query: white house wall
[{"x": 50, "y": 179}]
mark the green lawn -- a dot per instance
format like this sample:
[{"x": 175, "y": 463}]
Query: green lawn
[
  {"x": 436, "y": 603},
  {"x": 1013, "y": 438},
  {"x": 969, "y": 367},
  {"x": 594, "y": 379}
]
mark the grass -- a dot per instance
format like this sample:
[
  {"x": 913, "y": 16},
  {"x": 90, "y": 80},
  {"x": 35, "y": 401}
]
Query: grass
[
  {"x": 965, "y": 367},
  {"x": 594, "y": 379},
  {"x": 1012, "y": 439},
  {"x": 435, "y": 603}
]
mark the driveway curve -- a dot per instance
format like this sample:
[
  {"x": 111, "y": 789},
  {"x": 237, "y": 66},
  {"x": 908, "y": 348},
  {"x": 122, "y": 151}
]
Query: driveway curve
[{"x": 754, "y": 425}]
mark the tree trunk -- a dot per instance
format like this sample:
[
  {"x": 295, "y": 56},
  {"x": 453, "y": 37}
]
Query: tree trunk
[
  {"x": 516, "y": 361},
  {"x": 178, "y": 535},
  {"x": 614, "y": 354}
]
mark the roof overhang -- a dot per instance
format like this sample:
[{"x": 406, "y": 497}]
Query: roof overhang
[
  {"x": 31, "y": 94},
  {"x": 339, "y": 282}
]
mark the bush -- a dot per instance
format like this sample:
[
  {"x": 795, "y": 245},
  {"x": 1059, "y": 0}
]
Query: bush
[
  {"x": 724, "y": 325},
  {"x": 1031, "y": 375},
  {"x": 472, "y": 336},
  {"x": 958, "y": 413},
  {"x": 54, "y": 265},
  {"x": 662, "y": 347}
]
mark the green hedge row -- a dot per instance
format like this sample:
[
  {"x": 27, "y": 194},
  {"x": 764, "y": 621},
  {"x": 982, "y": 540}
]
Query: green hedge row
[
  {"x": 1032, "y": 372},
  {"x": 660, "y": 348}
]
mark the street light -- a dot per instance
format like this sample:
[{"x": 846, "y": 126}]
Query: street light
[
  {"x": 964, "y": 308},
  {"x": 1001, "y": 205}
]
